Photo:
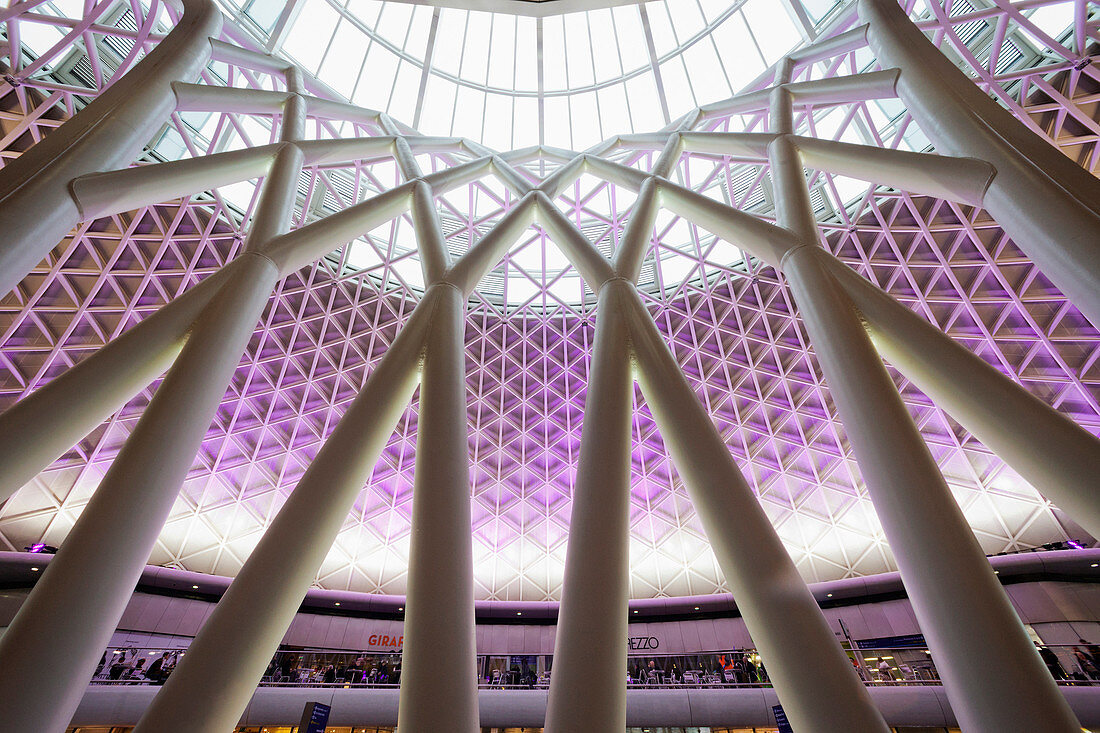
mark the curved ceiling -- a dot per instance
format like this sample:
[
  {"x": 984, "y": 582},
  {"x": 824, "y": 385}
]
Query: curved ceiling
[{"x": 728, "y": 318}]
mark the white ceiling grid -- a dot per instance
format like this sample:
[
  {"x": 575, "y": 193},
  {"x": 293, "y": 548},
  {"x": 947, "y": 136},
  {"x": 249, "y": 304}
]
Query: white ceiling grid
[{"x": 728, "y": 318}]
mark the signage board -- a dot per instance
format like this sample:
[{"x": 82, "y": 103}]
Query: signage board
[
  {"x": 314, "y": 718},
  {"x": 781, "y": 719},
  {"x": 909, "y": 641}
]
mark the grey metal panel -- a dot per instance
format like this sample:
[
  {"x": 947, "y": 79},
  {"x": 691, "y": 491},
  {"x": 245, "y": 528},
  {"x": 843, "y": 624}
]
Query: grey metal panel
[
  {"x": 500, "y": 708},
  {"x": 483, "y": 639},
  {"x": 1032, "y": 602},
  {"x": 532, "y": 638},
  {"x": 514, "y": 637},
  {"x": 170, "y": 621},
  {"x": 752, "y": 706},
  {"x": 355, "y": 635},
  {"x": 297, "y": 629},
  {"x": 878, "y": 624},
  {"x": 116, "y": 705},
  {"x": 689, "y": 634},
  {"x": 899, "y": 618},
  {"x": 151, "y": 613},
  {"x": 193, "y": 616},
  {"x": 334, "y": 636},
  {"x": 914, "y": 706},
  {"x": 1065, "y": 597},
  {"x": 708, "y": 635},
  {"x": 10, "y": 601},
  {"x": 134, "y": 610}
]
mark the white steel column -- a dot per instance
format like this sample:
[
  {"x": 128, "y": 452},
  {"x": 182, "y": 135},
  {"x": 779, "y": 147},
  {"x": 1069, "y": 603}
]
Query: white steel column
[
  {"x": 36, "y": 207},
  {"x": 286, "y": 560},
  {"x": 439, "y": 660},
  {"x": 588, "y": 680},
  {"x": 1048, "y": 204},
  {"x": 814, "y": 679},
  {"x": 962, "y": 609},
  {"x": 1054, "y": 454},
  {"x": 992, "y": 672},
  {"x": 210, "y": 687},
  {"x": 49, "y": 652},
  {"x": 104, "y": 554},
  {"x": 45, "y": 424}
]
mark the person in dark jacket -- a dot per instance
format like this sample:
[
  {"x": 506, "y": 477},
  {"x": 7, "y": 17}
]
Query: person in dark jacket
[
  {"x": 1050, "y": 659},
  {"x": 158, "y": 671}
]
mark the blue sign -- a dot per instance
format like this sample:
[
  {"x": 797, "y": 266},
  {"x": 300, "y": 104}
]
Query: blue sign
[
  {"x": 909, "y": 641},
  {"x": 781, "y": 719},
  {"x": 314, "y": 718}
]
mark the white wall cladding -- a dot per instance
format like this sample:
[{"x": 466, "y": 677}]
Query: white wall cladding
[{"x": 1060, "y": 612}]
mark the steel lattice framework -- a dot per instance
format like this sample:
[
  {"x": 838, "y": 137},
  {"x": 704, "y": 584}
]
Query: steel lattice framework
[
  {"x": 683, "y": 254},
  {"x": 729, "y": 320}
]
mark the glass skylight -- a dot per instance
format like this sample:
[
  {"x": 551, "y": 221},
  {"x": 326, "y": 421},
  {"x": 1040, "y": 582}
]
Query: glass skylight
[
  {"x": 569, "y": 81},
  {"x": 631, "y": 68}
]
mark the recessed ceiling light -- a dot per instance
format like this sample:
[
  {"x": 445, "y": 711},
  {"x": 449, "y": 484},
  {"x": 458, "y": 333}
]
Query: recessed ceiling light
[
  {"x": 635, "y": 612},
  {"x": 519, "y": 613},
  {"x": 828, "y": 595},
  {"x": 400, "y": 608},
  {"x": 194, "y": 587},
  {"x": 696, "y": 608},
  {"x": 36, "y": 569}
]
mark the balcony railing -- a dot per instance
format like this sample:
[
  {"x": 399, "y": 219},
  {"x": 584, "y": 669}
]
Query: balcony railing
[{"x": 910, "y": 665}]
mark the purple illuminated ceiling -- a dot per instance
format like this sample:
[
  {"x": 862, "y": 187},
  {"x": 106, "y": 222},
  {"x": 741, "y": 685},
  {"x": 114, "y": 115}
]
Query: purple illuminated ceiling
[{"x": 529, "y": 331}]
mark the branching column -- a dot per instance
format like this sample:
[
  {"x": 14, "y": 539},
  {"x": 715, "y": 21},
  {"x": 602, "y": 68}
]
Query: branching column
[
  {"x": 36, "y": 207},
  {"x": 285, "y": 562},
  {"x": 814, "y": 679},
  {"x": 588, "y": 681},
  {"x": 212, "y": 684},
  {"x": 50, "y": 651},
  {"x": 1054, "y": 454},
  {"x": 1048, "y": 204},
  {"x": 962, "y": 609},
  {"x": 439, "y": 661},
  {"x": 74, "y": 608}
]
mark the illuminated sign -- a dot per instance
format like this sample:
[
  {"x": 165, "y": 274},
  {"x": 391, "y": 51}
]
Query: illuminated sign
[
  {"x": 388, "y": 641},
  {"x": 635, "y": 643},
  {"x": 314, "y": 718}
]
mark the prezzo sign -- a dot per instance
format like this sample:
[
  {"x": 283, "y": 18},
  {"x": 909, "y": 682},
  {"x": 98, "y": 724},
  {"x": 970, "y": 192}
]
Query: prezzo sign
[{"x": 636, "y": 643}]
